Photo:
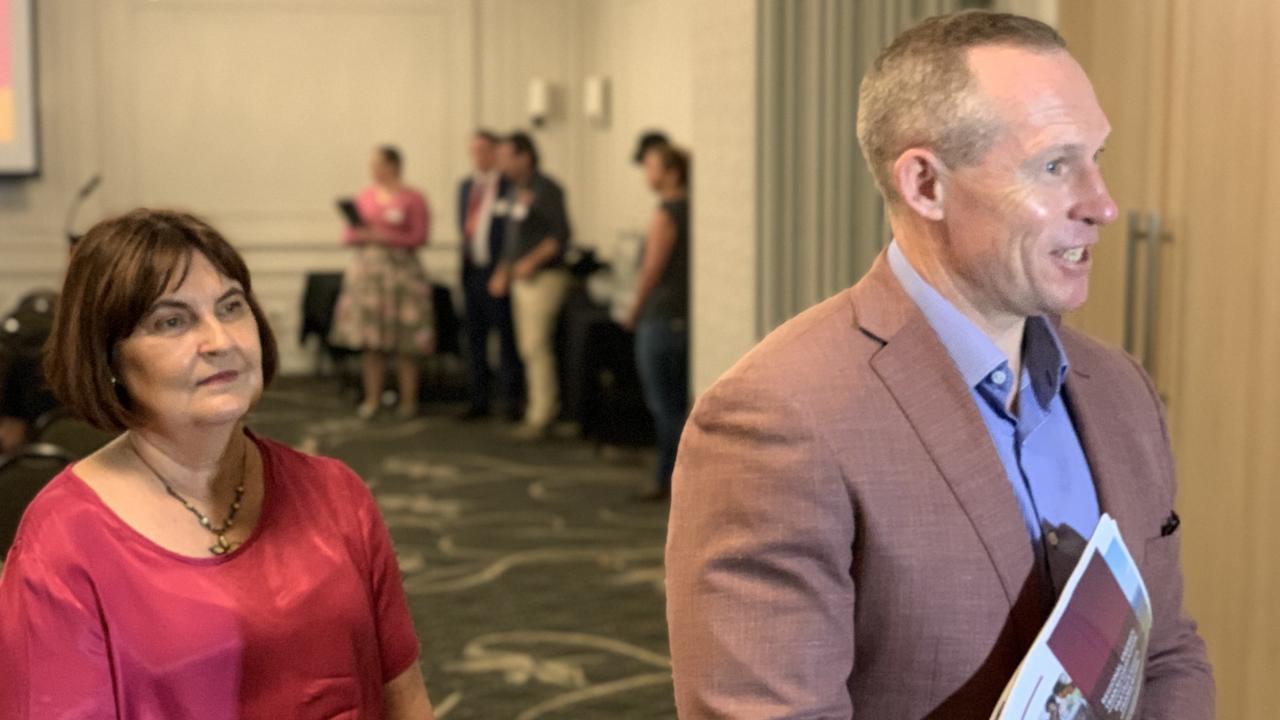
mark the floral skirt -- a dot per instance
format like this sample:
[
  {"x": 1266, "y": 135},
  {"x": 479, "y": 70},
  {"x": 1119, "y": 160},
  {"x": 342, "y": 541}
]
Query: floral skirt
[{"x": 385, "y": 304}]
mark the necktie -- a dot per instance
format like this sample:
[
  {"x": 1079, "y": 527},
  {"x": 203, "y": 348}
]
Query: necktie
[{"x": 473, "y": 208}]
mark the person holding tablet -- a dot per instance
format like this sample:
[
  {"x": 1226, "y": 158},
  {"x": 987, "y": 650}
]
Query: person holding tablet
[{"x": 385, "y": 307}]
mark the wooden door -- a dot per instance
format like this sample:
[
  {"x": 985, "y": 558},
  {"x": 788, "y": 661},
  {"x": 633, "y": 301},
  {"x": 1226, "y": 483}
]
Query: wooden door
[
  {"x": 1193, "y": 93},
  {"x": 1224, "y": 215},
  {"x": 1123, "y": 46}
]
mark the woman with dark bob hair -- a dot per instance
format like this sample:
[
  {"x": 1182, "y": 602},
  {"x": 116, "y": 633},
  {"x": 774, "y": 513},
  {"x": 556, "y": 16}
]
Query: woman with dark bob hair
[{"x": 191, "y": 568}]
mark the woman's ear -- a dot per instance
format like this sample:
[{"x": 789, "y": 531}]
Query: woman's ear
[{"x": 920, "y": 177}]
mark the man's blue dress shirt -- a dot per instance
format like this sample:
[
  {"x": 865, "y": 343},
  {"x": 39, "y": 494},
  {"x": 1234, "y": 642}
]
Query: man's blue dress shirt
[{"x": 1039, "y": 447}]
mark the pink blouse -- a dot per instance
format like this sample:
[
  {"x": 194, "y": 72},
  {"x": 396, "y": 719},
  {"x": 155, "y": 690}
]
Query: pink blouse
[
  {"x": 404, "y": 219},
  {"x": 306, "y": 619}
]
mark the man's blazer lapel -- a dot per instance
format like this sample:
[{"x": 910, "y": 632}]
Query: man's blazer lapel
[
  {"x": 917, "y": 370},
  {"x": 1099, "y": 423}
]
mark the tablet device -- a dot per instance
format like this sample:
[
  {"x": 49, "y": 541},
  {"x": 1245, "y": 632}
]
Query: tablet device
[{"x": 349, "y": 211}]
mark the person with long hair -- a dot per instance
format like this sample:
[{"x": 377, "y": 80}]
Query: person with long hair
[{"x": 192, "y": 568}]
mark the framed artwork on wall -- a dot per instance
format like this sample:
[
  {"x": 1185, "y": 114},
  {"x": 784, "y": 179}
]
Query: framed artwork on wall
[{"x": 19, "y": 128}]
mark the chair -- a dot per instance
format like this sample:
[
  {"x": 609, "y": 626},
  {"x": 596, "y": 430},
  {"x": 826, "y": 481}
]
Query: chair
[
  {"x": 600, "y": 384},
  {"x": 444, "y": 372},
  {"x": 448, "y": 325},
  {"x": 319, "y": 304},
  {"x": 23, "y": 332},
  {"x": 29, "y": 324},
  {"x": 22, "y": 475},
  {"x": 23, "y": 392},
  {"x": 76, "y": 437}
]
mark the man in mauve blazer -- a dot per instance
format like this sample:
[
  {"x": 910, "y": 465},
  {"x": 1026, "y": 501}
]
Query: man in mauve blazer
[{"x": 851, "y": 534}]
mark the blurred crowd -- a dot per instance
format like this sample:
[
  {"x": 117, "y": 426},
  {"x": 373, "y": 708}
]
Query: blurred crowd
[{"x": 517, "y": 248}]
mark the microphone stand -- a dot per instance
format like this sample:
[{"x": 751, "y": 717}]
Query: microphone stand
[{"x": 85, "y": 191}]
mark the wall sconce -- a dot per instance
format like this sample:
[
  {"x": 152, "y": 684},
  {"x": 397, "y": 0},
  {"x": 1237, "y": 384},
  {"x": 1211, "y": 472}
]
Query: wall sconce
[
  {"x": 539, "y": 102},
  {"x": 595, "y": 100}
]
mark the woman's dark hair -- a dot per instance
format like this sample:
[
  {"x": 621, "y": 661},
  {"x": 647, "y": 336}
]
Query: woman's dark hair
[
  {"x": 391, "y": 154},
  {"x": 673, "y": 158},
  {"x": 648, "y": 141},
  {"x": 117, "y": 272},
  {"x": 523, "y": 145}
]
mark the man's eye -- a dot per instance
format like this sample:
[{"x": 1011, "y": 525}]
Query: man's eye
[{"x": 1053, "y": 167}]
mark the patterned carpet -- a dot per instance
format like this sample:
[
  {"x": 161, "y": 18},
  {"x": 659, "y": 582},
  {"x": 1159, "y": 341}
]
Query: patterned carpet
[{"x": 535, "y": 583}]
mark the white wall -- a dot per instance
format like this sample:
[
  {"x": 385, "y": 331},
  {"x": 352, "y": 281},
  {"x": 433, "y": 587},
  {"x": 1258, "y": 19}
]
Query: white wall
[
  {"x": 258, "y": 113},
  {"x": 519, "y": 40},
  {"x": 725, "y": 134},
  {"x": 643, "y": 47},
  {"x": 1043, "y": 10},
  {"x": 701, "y": 92},
  {"x": 254, "y": 113}
]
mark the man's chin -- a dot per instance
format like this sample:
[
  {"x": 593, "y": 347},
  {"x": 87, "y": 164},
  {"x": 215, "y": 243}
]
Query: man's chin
[
  {"x": 1066, "y": 308},
  {"x": 1064, "y": 302}
]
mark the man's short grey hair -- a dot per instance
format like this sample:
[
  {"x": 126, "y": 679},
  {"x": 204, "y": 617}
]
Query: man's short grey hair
[{"x": 921, "y": 93}]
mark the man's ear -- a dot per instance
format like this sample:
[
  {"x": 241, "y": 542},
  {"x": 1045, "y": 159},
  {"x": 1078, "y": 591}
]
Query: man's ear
[{"x": 919, "y": 176}]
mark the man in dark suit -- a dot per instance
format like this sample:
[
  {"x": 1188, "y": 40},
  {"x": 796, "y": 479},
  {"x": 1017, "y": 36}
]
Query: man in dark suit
[
  {"x": 482, "y": 224},
  {"x": 876, "y": 509}
]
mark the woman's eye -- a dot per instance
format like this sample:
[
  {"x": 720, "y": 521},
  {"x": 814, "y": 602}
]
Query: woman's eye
[
  {"x": 1053, "y": 167},
  {"x": 235, "y": 309},
  {"x": 170, "y": 322}
]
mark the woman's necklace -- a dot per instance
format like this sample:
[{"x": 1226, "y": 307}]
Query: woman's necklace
[{"x": 222, "y": 546}]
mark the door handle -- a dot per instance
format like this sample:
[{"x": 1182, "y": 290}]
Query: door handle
[
  {"x": 1142, "y": 342},
  {"x": 1133, "y": 235},
  {"x": 1151, "y": 310}
]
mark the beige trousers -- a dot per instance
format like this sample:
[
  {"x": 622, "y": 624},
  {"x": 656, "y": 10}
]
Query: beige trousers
[{"x": 535, "y": 308}]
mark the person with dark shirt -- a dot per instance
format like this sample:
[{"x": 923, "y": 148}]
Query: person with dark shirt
[
  {"x": 531, "y": 269},
  {"x": 660, "y": 313},
  {"x": 647, "y": 141}
]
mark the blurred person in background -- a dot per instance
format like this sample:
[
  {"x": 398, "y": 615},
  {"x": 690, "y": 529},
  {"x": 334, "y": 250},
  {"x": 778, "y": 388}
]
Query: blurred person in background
[
  {"x": 385, "y": 306},
  {"x": 647, "y": 141},
  {"x": 191, "y": 568},
  {"x": 660, "y": 314},
  {"x": 532, "y": 270},
  {"x": 482, "y": 232}
]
